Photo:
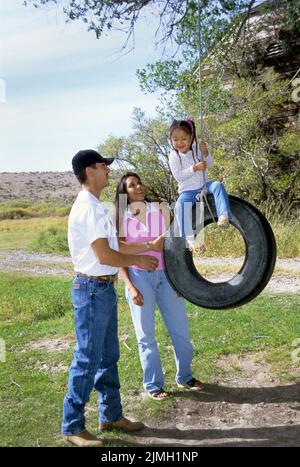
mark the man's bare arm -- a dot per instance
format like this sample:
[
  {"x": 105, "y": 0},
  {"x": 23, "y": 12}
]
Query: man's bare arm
[{"x": 140, "y": 247}]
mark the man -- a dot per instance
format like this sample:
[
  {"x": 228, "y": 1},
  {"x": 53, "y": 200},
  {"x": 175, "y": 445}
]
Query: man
[{"x": 94, "y": 249}]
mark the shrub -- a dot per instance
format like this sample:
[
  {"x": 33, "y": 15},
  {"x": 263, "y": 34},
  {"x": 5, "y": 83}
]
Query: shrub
[
  {"x": 52, "y": 240},
  {"x": 24, "y": 209}
]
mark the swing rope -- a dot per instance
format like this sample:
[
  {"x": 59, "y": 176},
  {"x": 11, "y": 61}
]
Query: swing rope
[{"x": 203, "y": 195}]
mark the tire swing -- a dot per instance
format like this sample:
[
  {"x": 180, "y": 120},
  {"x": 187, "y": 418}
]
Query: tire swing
[
  {"x": 251, "y": 279},
  {"x": 260, "y": 246}
]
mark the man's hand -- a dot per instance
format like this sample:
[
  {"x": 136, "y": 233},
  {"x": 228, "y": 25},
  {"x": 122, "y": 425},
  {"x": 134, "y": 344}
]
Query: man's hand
[
  {"x": 136, "y": 296},
  {"x": 200, "y": 166},
  {"x": 147, "y": 262}
]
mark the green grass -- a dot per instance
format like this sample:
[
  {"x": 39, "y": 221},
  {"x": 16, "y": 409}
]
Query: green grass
[
  {"x": 287, "y": 238},
  {"x": 34, "y": 307},
  {"x": 229, "y": 242},
  {"x": 49, "y": 235},
  {"x": 52, "y": 240},
  {"x": 20, "y": 233},
  {"x": 25, "y": 297}
]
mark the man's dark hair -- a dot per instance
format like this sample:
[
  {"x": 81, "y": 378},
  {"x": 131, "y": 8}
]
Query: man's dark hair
[{"x": 81, "y": 176}]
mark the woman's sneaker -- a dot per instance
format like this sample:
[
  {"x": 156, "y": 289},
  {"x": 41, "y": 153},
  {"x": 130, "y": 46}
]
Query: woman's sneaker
[
  {"x": 223, "y": 222},
  {"x": 193, "y": 384}
]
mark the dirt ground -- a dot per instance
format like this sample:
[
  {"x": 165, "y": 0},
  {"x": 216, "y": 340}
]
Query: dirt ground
[
  {"x": 289, "y": 282},
  {"x": 251, "y": 409}
]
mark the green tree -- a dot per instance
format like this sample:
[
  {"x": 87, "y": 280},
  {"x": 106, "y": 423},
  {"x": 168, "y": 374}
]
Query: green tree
[
  {"x": 229, "y": 43},
  {"x": 257, "y": 155},
  {"x": 146, "y": 152}
]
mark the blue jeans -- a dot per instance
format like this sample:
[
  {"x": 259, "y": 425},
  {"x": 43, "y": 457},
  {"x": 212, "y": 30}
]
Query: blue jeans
[
  {"x": 156, "y": 289},
  {"x": 186, "y": 200},
  {"x": 95, "y": 355}
]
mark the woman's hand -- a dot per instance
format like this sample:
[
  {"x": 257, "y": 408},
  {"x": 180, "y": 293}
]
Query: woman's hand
[
  {"x": 136, "y": 296},
  {"x": 203, "y": 148},
  {"x": 200, "y": 166},
  {"x": 158, "y": 244}
]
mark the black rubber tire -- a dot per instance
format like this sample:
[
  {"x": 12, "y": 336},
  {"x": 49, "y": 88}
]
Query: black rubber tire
[{"x": 255, "y": 273}]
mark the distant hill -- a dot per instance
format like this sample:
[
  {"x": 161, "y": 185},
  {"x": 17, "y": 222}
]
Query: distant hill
[{"x": 35, "y": 186}]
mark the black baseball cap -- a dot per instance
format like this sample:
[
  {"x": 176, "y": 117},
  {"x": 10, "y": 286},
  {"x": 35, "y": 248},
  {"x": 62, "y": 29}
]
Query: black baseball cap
[{"x": 86, "y": 158}]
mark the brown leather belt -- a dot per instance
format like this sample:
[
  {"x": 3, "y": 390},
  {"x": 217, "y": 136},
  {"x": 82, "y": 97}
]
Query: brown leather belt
[{"x": 109, "y": 278}]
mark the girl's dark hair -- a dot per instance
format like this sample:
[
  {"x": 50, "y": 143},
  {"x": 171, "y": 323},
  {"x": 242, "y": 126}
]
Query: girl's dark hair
[
  {"x": 122, "y": 190},
  {"x": 189, "y": 127}
]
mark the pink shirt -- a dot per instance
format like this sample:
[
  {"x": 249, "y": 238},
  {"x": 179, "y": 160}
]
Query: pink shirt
[{"x": 135, "y": 231}]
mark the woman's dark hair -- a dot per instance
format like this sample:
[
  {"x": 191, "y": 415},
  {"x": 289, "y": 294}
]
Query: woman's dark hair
[
  {"x": 122, "y": 190},
  {"x": 188, "y": 126}
]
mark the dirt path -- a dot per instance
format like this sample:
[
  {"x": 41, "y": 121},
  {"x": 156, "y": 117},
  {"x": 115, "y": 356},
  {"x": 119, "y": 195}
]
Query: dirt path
[
  {"x": 286, "y": 278},
  {"x": 251, "y": 409},
  {"x": 248, "y": 407}
]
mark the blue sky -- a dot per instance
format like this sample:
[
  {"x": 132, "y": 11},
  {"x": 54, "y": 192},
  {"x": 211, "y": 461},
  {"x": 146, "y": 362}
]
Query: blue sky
[{"x": 65, "y": 90}]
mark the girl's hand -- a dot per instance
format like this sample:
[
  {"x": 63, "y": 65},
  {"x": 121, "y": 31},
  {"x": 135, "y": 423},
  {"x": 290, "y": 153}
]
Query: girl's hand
[
  {"x": 136, "y": 296},
  {"x": 203, "y": 148},
  {"x": 200, "y": 166}
]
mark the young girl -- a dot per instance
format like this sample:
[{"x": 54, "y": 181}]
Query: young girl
[{"x": 188, "y": 172}]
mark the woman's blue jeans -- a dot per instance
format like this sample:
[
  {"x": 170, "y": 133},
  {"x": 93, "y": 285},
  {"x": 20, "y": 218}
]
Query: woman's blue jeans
[
  {"x": 156, "y": 289},
  {"x": 95, "y": 355},
  {"x": 183, "y": 207}
]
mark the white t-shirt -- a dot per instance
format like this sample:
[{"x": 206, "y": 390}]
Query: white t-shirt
[
  {"x": 181, "y": 166},
  {"x": 89, "y": 220}
]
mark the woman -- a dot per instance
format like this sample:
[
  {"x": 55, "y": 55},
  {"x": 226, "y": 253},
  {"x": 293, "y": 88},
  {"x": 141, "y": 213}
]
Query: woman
[{"x": 142, "y": 221}]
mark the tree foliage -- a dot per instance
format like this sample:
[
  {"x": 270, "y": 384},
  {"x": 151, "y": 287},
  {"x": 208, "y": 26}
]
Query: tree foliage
[
  {"x": 229, "y": 42},
  {"x": 256, "y": 149},
  {"x": 104, "y": 15},
  {"x": 146, "y": 152}
]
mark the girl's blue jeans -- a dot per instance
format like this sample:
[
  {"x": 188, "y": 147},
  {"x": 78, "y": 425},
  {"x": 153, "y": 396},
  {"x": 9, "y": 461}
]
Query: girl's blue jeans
[
  {"x": 183, "y": 207},
  {"x": 96, "y": 355},
  {"x": 156, "y": 290}
]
